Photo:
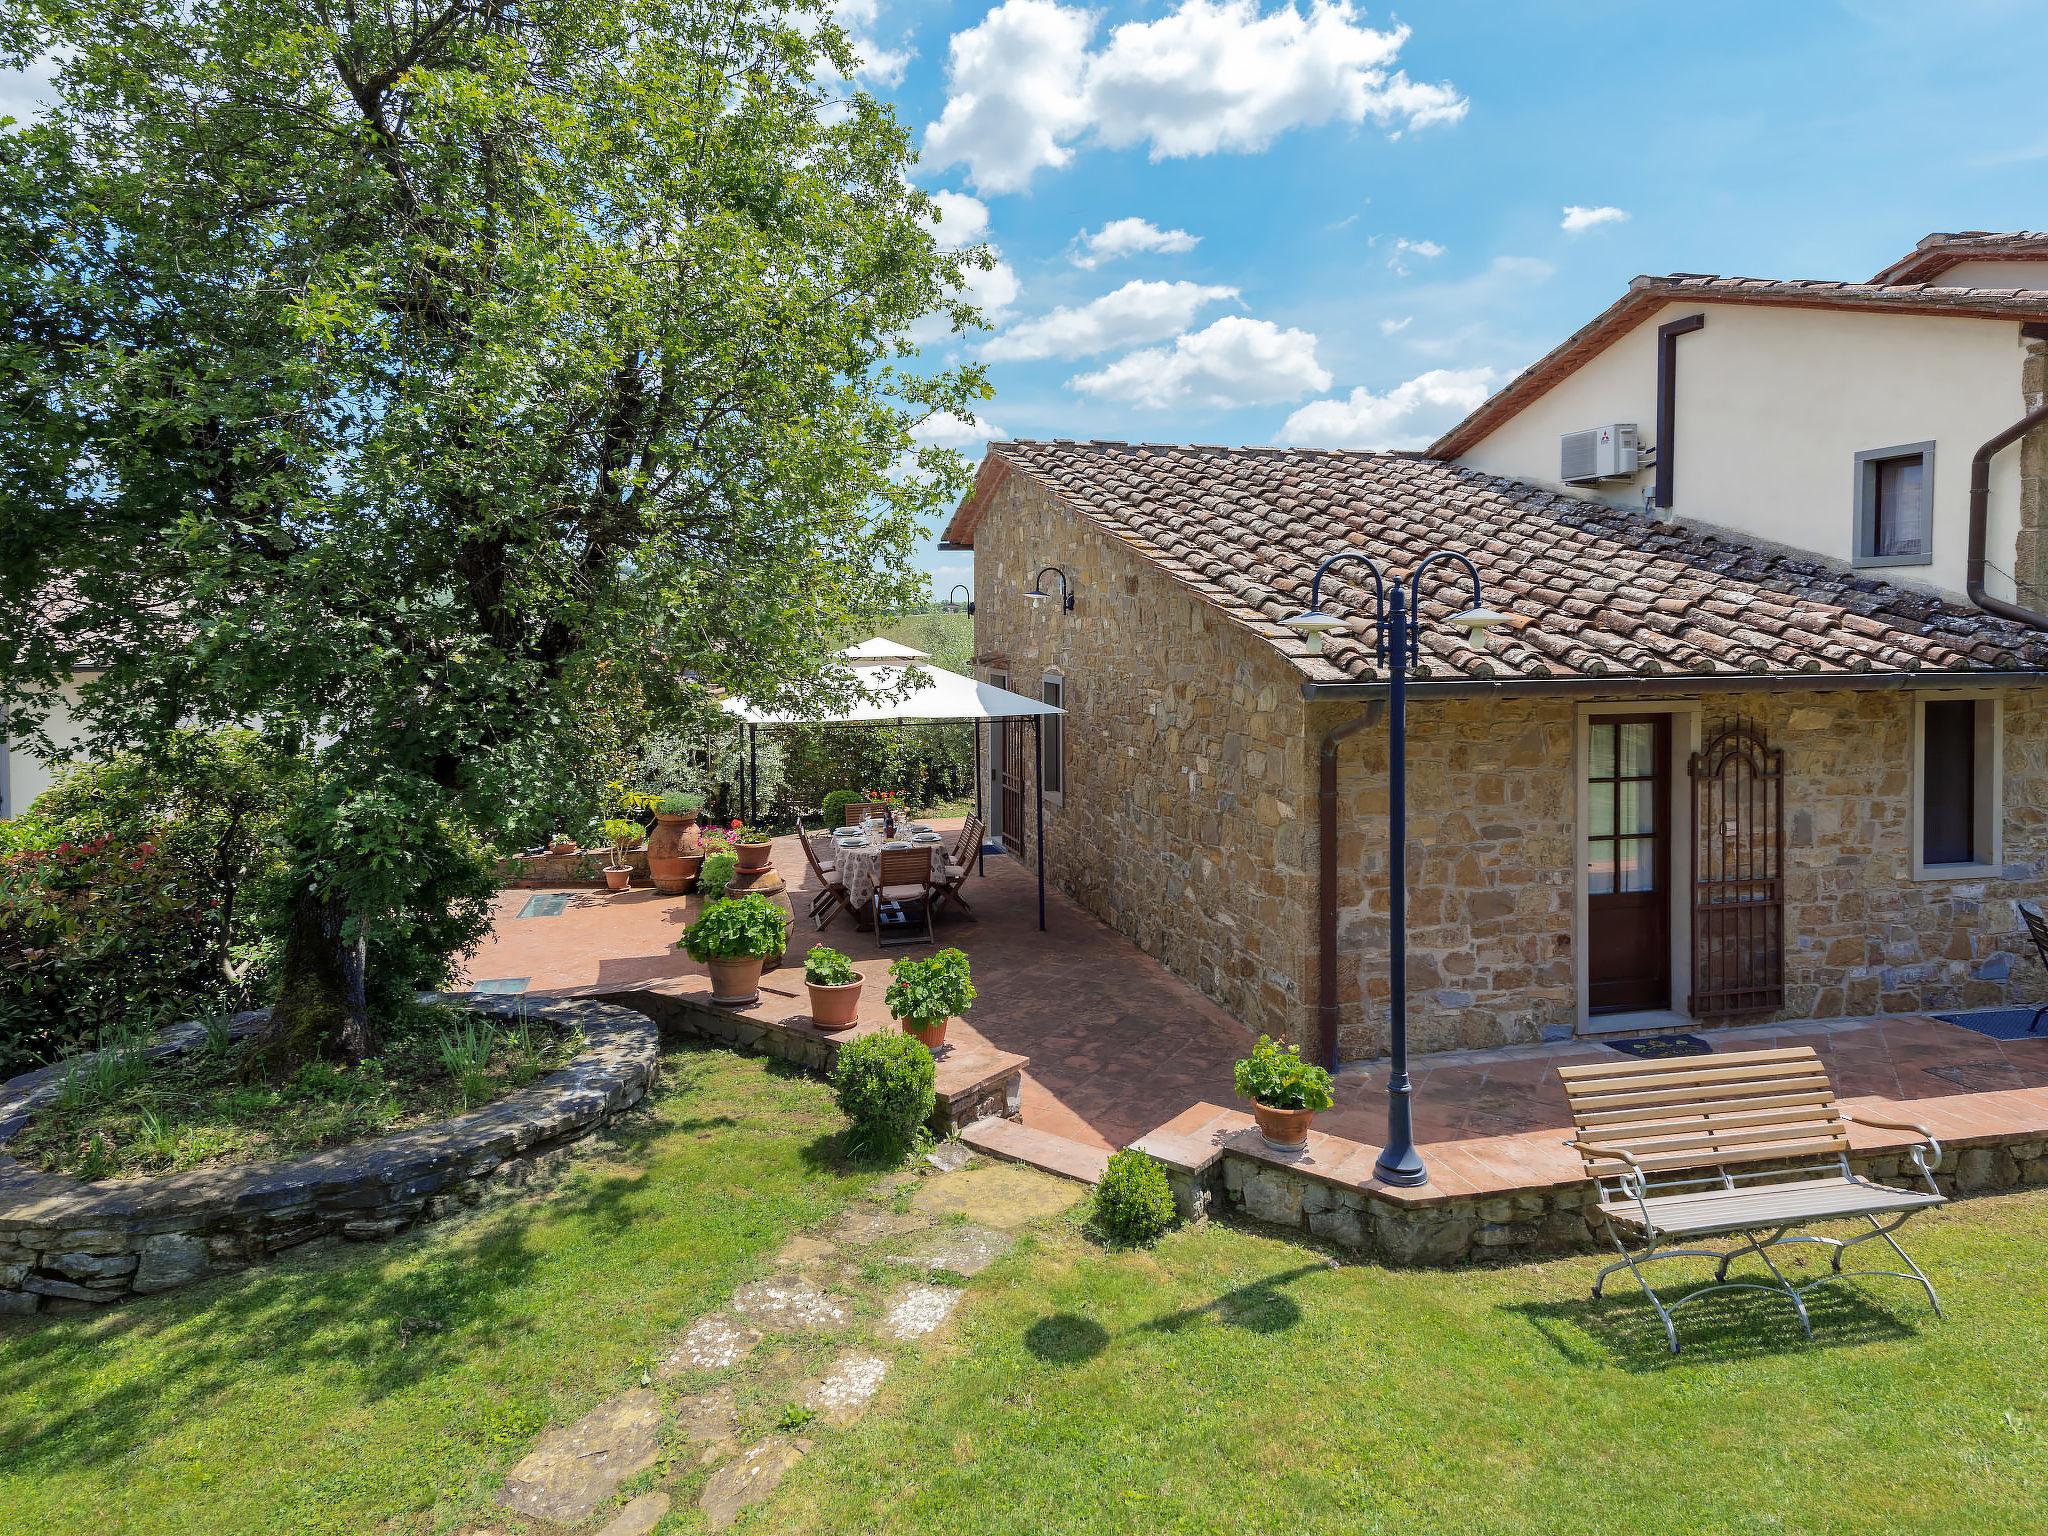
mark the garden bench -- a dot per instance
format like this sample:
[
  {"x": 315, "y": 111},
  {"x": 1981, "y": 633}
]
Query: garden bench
[{"x": 1746, "y": 1144}]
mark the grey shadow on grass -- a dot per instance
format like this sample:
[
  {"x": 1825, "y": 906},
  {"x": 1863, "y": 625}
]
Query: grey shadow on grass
[
  {"x": 1621, "y": 1329},
  {"x": 1065, "y": 1338}
]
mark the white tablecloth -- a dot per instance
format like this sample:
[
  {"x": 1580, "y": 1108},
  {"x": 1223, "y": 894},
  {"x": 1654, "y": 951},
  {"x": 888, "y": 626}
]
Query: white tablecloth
[{"x": 857, "y": 866}]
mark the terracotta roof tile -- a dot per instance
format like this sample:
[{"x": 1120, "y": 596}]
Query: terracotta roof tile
[
  {"x": 1937, "y": 253},
  {"x": 1592, "y": 590}
]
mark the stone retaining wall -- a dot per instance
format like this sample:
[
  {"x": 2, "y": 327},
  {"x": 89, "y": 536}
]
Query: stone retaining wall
[
  {"x": 1524, "y": 1224},
  {"x": 969, "y": 1089},
  {"x": 65, "y": 1242}
]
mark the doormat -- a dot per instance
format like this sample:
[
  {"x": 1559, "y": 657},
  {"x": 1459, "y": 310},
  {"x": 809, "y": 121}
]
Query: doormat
[
  {"x": 551, "y": 905},
  {"x": 501, "y": 986},
  {"x": 2001, "y": 1023},
  {"x": 1658, "y": 1047}
]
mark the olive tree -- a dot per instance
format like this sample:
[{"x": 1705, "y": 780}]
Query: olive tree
[{"x": 405, "y": 378}]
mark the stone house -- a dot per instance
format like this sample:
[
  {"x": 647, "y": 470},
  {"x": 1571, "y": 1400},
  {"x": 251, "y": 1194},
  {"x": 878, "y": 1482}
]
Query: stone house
[
  {"x": 1730, "y": 760},
  {"x": 1183, "y": 805}
]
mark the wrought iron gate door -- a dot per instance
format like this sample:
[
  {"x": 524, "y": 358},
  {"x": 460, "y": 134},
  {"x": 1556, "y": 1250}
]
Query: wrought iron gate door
[{"x": 1738, "y": 873}]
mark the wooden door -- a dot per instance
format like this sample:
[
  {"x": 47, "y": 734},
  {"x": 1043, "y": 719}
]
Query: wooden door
[
  {"x": 1008, "y": 754},
  {"x": 1628, "y": 863}
]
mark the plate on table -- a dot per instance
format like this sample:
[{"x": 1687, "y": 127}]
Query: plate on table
[
  {"x": 894, "y": 845},
  {"x": 926, "y": 838}
]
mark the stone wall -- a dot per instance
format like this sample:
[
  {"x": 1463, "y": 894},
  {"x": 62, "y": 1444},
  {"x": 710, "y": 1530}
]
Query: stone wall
[
  {"x": 1491, "y": 808},
  {"x": 64, "y": 1242},
  {"x": 1182, "y": 825},
  {"x": 1492, "y": 854}
]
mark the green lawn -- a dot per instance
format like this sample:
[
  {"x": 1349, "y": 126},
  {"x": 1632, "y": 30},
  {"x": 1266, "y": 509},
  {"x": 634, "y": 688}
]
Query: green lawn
[
  {"x": 388, "y": 1388},
  {"x": 1229, "y": 1382}
]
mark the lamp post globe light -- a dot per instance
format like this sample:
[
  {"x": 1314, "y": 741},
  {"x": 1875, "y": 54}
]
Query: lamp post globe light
[{"x": 1397, "y": 647}]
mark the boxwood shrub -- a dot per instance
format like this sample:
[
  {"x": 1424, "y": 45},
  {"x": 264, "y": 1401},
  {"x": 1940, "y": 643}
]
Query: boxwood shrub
[
  {"x": 885, "y": 1085},
  {"x": 1133, "y": 1203}
]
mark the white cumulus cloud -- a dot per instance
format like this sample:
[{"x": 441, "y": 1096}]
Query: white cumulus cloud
[
  {"x": 1396, "y": 327},
  {"x": 25, "y": 92},
  {"x": 943, "y": 429},
  {"x": 1128, "y": 316},
  {"x": 962, "y": 219},
  {"x": 1129, "y": 237},
  {"x": 1025, "y": 85},
  {"x": 1578, "y": 220},
  {"x": 879, "y": 64},
  {"x": 1233, "y": 362},
  {"x": 1420, "y": 250},
  {"x": 1410, "y": 415}
]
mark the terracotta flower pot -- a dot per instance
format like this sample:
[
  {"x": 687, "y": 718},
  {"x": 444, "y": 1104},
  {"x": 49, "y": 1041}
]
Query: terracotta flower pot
[
  {"x": 735, "y": 983},
  {"x": 617, "y": 879},
  {"x": 753, "y": 856},
  {"x": 667, "y": 858},
  {"x": 1284, "y": 1129},
  {"x": 563, "y": 849},
  {"x": 834, "y": 1007},
  {"x": 933, "y": 1035}
]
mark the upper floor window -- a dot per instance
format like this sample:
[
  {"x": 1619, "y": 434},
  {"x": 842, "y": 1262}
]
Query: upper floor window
[
  {"x": 1052, "y": 689},
  {"x": 1895, "y": 505}
]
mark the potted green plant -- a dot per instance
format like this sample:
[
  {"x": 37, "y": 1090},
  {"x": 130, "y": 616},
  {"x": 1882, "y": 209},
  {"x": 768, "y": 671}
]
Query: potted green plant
[
  {"x": 673, "y": 852},
  {"x": 924, "y": 994},
  {"x": 733, "y": 940},
  {"x": 1285, "y": 1092},
  {"x": 622, "y": 835},
  {"x": 561, "y": 845},
  {"x": 834, "y": 987},
  {"x": 752, "y": 845}
]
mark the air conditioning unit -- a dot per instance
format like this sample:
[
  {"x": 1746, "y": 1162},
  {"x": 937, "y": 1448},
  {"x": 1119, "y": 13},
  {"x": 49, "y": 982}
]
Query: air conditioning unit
[{"x": 1599, "y": 453}]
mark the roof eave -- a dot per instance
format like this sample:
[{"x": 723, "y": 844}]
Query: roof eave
[{"x": 1685, "y": 685}]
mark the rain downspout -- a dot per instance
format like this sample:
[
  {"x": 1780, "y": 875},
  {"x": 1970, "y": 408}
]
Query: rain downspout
[
  {"x": 1980, "y": 511},
  {"x": 1326, "y": 884}
]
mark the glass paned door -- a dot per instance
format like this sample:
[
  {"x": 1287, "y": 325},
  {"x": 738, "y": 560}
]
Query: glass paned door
[{"x": 1628, "y": 858}]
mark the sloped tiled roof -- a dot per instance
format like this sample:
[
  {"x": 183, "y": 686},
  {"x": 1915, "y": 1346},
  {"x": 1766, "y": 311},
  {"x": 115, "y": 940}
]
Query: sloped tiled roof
[
  {"x": 1937, "y": 253},
  {"x": 1594, "y": 591},
  {"x": 1648, "y": 294}
]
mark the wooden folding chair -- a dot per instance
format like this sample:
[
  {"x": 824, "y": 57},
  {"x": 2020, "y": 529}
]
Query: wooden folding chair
[
  {"x": 830, "y": 898},
  {"x": 959, "y": 865},
  {"x": 904, "y": 875},
  {"x": 858, "y": 811}
]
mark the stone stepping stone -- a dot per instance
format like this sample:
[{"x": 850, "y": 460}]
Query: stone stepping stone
[
  {"x": 789, "y": 1304},
  {"x": 638, "y": 1518},
  {"x": 711, "y": 1421},
  {"x": 1004, "y": 1195},
  {"x": 714, "y": 1343},
  {"x": 843, "y": 1393},
  {"x": 863, "y": 1226},
  {"x": 574, "y": 1469},
  {"x": 742, "y": 1483},
  {"x": 920, "y": 1311},
  {"x": 803, "y": 1250},
  {"x": 963, "y": 1250},
  {"x": 950, "y": 1156}
]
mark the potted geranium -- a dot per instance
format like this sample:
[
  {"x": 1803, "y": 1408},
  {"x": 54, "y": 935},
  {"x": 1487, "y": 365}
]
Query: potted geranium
[
  {"x": 1285, "y": 1092},
  {"x": 733, "y": 940},
  {"x": 673, "y": 852},
  {"x": 622, "y": 835},
  {"x": 752, "y": 845},
  {"x": 924, "y": 994},
  {"x": 834, "y": 987}
]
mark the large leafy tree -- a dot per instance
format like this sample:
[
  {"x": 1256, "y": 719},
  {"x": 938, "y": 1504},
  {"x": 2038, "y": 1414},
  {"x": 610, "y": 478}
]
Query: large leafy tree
[{"x": 409, "y": 377}]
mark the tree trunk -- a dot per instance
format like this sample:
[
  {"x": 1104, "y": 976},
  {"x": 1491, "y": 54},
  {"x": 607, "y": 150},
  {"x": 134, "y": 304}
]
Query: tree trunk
[{"x": 320, "y": 1009}]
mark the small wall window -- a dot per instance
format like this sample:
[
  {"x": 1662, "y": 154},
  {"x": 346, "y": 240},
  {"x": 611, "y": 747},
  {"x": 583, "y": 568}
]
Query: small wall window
[
  {"x": 1052, "y": 689},
  {"x": 1957, "y": 786},
  {"x": 1895, "y": 505}
]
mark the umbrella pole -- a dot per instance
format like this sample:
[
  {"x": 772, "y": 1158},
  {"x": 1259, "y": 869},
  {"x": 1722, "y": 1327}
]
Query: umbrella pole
[
  {"x": 1038, "y": 797},
  {"x": 980, "y": 858}
]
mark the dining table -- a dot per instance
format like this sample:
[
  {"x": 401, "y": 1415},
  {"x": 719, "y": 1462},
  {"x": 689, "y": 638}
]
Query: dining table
[{"x": 857, "y": 861}]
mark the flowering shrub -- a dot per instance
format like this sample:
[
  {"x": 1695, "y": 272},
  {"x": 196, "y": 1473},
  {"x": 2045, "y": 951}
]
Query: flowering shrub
[{"x": 99, "y": 935}]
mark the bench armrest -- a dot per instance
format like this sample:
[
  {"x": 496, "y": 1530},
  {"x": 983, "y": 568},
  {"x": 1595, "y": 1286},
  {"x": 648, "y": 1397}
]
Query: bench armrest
[
  {"x": 1632, "y": 1179},
  {"x": 1926, "y": 1156}
]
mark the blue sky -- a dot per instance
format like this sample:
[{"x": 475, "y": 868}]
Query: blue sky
[
  {"x": 1354, "y": 219},
  {"x": 1375, "y": 202}
]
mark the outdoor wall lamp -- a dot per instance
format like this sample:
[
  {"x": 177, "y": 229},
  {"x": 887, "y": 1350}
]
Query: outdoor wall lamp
[
  {"x": 1396, "y": 645},
  {"x": 961, "y": 586},
  {"x": 1038, "y": 595}
]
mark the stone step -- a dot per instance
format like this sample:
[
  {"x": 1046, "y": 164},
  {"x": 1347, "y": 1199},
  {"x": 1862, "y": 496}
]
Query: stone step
[{"x": 1014, "y": 1143}]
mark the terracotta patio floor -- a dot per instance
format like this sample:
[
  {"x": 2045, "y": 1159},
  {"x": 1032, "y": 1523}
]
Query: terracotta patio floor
[{"x": 1118, "y": 1046}]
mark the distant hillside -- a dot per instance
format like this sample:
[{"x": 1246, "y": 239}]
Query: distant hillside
[{"x": 947, "y": 637}]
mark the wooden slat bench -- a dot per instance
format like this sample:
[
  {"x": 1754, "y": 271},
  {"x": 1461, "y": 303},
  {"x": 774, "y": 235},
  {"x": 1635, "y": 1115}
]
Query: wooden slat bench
[{"x": 1747, "y": 1144}]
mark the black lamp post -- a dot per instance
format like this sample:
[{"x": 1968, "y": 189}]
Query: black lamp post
[
  {"x": 961, "y": 586},
  {"x": 1396, "y": 645},
  {"x": 1038, "y": 594}
]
